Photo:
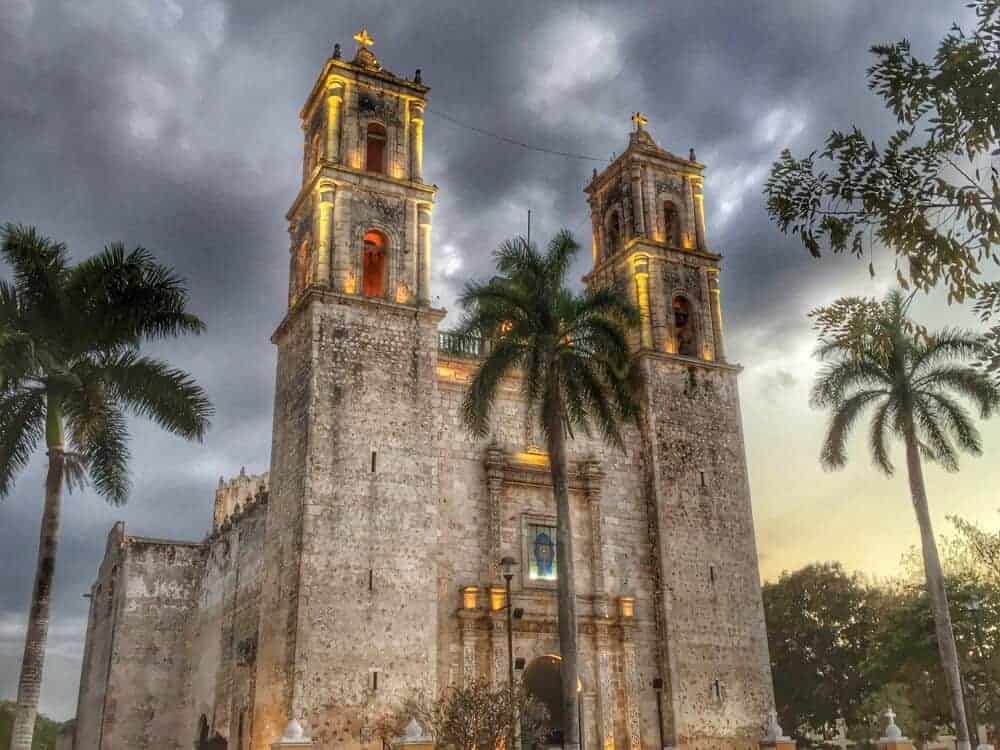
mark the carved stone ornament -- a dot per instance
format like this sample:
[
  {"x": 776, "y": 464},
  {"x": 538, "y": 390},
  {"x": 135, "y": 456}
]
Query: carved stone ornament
[
  {"x": 389, "y": 211},
  {"x": 672, "y": 185}
]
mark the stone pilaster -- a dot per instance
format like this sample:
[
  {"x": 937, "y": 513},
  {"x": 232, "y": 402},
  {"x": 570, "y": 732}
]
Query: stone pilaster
[
  {"x": 631, "y": 686},
  {"x": 698, "y": 200},
  {"x": 416, "y": 140},
  {"x": 594, "y": 478},
  {"x": 424, "y": 252},
  {"x": 344, "y": 279},
  {"x": 715, "y": 305},
  {"x": 467, "y": 623},
  {"x": 498, "y": 646},
  {"x": 640, "y": 270},
  {"x": 494, "y": 498},
  {"x": 637, "y": 202},
  {"x": 605, "y": 687},
  {"x": 324, "y": 235},
  {"x": 334, "y": 101}
]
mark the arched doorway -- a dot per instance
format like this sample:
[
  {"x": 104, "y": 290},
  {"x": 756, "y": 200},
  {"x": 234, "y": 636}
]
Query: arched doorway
[{"x": 543, "y": 680}]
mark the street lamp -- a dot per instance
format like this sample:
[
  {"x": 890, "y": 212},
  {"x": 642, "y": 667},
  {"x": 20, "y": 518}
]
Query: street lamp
[
  {"x": 658, "y": 687},
  {"x": 507, "y": 566}
]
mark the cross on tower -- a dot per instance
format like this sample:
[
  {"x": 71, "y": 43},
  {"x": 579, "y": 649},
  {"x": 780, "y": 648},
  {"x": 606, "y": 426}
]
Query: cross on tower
[
  {"x": 639, "y": 120},
  {"x": 364, "y": 41}
]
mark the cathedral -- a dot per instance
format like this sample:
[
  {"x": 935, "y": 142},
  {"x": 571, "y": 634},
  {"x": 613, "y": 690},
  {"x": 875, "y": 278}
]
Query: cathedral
[{"x": 362, "y": 570}]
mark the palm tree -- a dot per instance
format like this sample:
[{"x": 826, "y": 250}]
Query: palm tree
[
  {"x": 70, "y": 367},
  {"x": 573, "y": 355},
  {"x": 911, "y": 380}
]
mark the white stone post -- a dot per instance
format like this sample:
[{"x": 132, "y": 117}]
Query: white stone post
[
  {"x": 640, "y": 229},
  {"x": 293, "y": 738},
  {"x": 416, "y": 140},
  {"x": 424, "y": 253}
]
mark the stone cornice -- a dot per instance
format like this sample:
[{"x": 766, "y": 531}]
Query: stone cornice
[
  {"x": 351, "y": 72},
  {"x": 690, "y": 361},
  {"x": 343, "y": 175}
]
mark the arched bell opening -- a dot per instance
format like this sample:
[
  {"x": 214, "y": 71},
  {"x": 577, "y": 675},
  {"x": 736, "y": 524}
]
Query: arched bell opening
[{"x": 373, "y": 264}]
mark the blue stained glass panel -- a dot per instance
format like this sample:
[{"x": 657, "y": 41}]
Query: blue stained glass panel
[{"x": 541, "y": 552}]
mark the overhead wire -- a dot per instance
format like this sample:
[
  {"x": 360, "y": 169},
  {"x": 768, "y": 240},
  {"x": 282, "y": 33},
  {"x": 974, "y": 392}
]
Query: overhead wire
[{"x": 514, "y": 141}]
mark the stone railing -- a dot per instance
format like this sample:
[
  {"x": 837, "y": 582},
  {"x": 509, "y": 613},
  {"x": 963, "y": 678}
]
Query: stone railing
[{"x": 456, "y": 345}]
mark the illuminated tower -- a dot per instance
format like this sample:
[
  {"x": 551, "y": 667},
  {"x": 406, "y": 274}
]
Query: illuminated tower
[
  {"x": 348, "y": 608},
  {"x": 649, "y": 235}
]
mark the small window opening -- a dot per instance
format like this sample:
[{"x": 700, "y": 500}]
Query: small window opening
[
  {"x": 717, "y": 690},
  {"x": 614, "y": 233},
  {"x": 374, "y": 680},
  {"x": 374, "y": 458},
  {"x": 711, "y": 573},
  {"x": 684, "y": 328},
  {"x": 671, "y": 226},
  {"x": 373, "y": 265},
  {"x": 703, "y": 479},
  {"x": 375, "y": 148},
  {"x": 371, "y": 579}
]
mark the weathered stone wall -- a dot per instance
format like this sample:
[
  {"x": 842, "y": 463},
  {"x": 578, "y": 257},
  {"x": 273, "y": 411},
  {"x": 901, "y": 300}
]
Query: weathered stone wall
[
  {"x": 156, "y": 588},
  {"x": 713, "y": 615},
  {"x": 98, "y": 645},
  {"x": 222, "y": 634},
  {"x": 367, "y": 630}
]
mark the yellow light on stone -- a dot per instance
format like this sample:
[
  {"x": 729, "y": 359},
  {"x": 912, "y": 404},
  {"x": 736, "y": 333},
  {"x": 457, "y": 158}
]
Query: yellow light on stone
[
  {"x": 402, "y": 294},
  {"x": 470, "y": 597},
  {"x": 498, "y": 597},
  {"x": 350, "y": 284},
  {"x": 626, "y": 607},
  {"x": 532, "y": 458}
]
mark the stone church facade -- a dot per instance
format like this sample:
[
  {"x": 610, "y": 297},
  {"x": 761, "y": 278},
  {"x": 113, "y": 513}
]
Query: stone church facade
[{"x": 362, "y": 570}]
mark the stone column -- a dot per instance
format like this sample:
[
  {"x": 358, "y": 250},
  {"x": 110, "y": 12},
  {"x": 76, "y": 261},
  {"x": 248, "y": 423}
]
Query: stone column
[
  {"x": 324, "y": 236},
  {"x": 334, "y": 100},
  {"x": 343, "y": 267},
  {"x": 467, "y": 627},
  {"x": 705, "y": 321},
  {"x": 605, "y": 689},
  {"x": 595, "y": 241},
  {"x": 699, "y": 212},
  {"x": 651, "y": 212},
  {"x": 630, "y": 678},
  {"x": 640, "y": 230},
  {"x": 716, "y": 306},
  {"x": 424, "y": 253},
  {"x": 416, "y": 140},
  {"x": 640, "y": 270}
]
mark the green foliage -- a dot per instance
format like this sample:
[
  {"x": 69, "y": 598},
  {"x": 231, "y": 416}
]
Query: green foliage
[
  {"x": 46, "y": 730},
  {"x": 822, "y": 629},
  {"x": 474, "y": 717},
  {"x": 69, "y": 357},
  {"x": 931, "y": 192},
  {"x": 571, "y": 348},
  {"x": 913, "y": 380}
]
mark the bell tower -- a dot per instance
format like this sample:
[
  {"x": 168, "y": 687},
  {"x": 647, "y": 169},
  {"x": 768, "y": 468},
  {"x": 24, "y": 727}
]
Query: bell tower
[
  {"x": 349, "y": 613},
  {"x": 361, "y": 222},
  {"x": 649, "y": 236},
  {"x": 648, "y": 221}
]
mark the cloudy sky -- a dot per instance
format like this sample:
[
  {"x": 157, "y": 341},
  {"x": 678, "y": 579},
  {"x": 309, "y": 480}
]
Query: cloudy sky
[{"x": 173, "y": 124}]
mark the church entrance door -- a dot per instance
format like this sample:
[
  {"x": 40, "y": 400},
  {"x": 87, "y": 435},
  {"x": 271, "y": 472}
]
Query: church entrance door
[{"x": 543, "y": 680}]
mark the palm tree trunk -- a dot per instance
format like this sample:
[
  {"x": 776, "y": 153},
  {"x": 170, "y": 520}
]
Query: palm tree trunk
[
  {"x": 936, "y": 590},
  {"x": 566, "y": 579},
  {"x": 30, "y": 684}
]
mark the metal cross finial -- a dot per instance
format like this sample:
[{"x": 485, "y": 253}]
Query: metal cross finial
[
  {"x": 639, "y": 120},
  {"x": 363, "y": 39}
]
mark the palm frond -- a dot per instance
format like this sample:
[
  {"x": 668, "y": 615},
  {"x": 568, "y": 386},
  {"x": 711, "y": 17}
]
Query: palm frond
[
  {"x": 945, "y": 346},
  {"x": 955, "y": 420},
  {"x": 122, "y": 297},
  {"x": 845, "y": 416},
  {"x": 936, "y": 445},
  {"x": 22, "y": 427},
  {"x": 482, "y": 392},
  {"x": 99, "y": 436},
  {"x": 837, "y": 378},
  {"x": 153, "y": 389},
  {"x": 877, "y": 440},
  {"x": 558, "y": 256},
  {"x": 972, "y": 384}
]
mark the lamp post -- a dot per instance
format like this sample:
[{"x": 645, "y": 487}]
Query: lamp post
[
  {"x": 658, "y": 687},
  {"x": 507, "y": 567}
]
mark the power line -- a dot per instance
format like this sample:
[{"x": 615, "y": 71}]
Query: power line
[{"x": 514, "y": 142}]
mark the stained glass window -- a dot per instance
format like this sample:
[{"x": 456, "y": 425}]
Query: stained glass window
[{"x": 541, "y": 552}]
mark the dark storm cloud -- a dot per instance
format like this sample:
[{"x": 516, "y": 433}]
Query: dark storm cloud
[{"x": 173, "y": 124}]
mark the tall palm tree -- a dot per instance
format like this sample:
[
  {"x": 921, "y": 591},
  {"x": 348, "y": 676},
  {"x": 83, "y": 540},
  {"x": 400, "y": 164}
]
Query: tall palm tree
[
  {"x": 70, "y": 368},
  {"x": 915, "y": 384},
  {"x": 573, "y": 356}
]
